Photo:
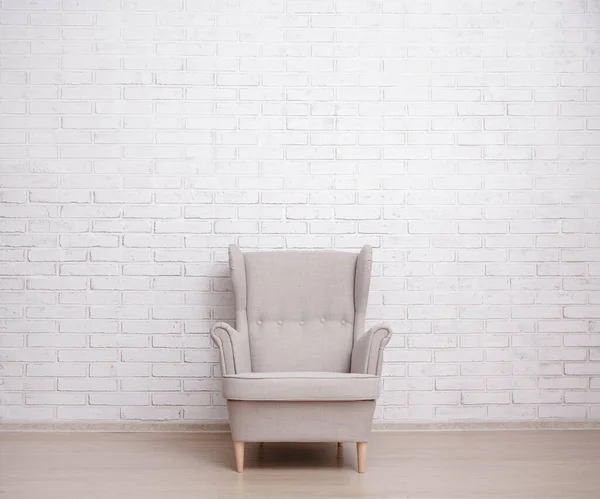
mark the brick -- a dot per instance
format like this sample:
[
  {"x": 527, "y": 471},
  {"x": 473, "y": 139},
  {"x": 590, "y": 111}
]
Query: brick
[
  {"x": 27, "y": 413},
  {"x": 434, "y": 398},
  {"x": 538, "y": 397},
  {"x": 181, "y": 399},
  {"x": 91, "y": 355},
  {"x": 150, "y": 385},
  {"x": 591, "y": 368},
  {"x": 486, "y": 398},
  {"x": 56, "y": 370},
  {"x": 182, "y": 371},
  {"x": 87, "y": 413},
  {"x": 87, "y": 385},
  {"x": 512, "y": 383},
  {"x": 153, "y": 355},
  {"x": 119, "y": 399},
  {"x": 63, "y": 399},
  {"x": 563, "y": 412},
  {"x": 105, "y": 370},
  {"x": 512, "y": 412}
]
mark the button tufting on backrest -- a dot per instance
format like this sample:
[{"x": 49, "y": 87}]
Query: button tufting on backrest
[{"x": 292, "y": 292}]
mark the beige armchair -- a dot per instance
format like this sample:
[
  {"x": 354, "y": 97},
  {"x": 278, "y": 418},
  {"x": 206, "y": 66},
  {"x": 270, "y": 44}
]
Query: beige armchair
[{"x": 299, "y": 366}]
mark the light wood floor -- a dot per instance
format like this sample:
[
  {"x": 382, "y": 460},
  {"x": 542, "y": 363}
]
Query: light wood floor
[{"x": 432, "y": 465}]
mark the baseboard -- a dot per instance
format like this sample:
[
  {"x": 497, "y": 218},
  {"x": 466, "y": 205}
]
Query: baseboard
[
  {"x": 223, "y": 427},
  {"x": 117, "y": 426},
  {"x": 551, "y": 424}
]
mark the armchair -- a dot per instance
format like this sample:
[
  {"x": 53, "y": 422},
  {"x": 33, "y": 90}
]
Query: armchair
[{"x": 298, "y": 367}]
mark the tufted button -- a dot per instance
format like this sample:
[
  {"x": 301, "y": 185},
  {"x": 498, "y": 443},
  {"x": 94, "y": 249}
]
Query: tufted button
[
  {"x": 322, "y": 321},
  {"x": 343, "y": 322},
  {"x": 259, "y": 322},
  {"x": 280, "y": 322},
  {"x": 301, "y": 323}
]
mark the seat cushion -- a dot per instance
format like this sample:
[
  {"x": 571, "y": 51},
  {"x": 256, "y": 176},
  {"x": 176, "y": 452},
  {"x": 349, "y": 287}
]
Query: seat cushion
[{"x": 301, "y": 386}]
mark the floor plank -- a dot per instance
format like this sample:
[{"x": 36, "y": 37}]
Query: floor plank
[{"x": 420, "y": 465}]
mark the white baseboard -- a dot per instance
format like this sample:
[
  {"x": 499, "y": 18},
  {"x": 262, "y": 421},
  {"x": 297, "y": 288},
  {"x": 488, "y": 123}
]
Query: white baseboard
[
  {"x": 553, "y": 424},
  {"x": 223, "y": 427},
  {"x": 116, "y": 426}
]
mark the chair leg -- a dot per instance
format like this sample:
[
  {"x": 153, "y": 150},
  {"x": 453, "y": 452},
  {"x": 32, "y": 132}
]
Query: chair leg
[
  {"x": 339, "y": 444},
  {"x": 361, "y": 455},
  {"x": 238, "y": 450}
]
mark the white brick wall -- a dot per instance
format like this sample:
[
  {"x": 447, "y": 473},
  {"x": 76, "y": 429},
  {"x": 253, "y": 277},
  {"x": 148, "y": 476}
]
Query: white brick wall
[{"x": 461, "y": 138}]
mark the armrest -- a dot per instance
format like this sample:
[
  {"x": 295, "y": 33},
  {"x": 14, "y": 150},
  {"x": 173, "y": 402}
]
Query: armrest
[
  {"x": 234, "y": 349},
  {"x": 367, "y": 354}
]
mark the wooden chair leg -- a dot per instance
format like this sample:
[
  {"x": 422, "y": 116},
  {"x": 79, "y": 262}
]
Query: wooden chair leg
[
  {"x": 339, "y": 444},
  {"x": 361, "y": 455},
  {"x": 238, "y": 450}
]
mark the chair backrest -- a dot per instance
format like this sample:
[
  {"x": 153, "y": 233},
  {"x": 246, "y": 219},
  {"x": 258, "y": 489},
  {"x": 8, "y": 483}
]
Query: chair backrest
[{"x": 302, "y": 310}]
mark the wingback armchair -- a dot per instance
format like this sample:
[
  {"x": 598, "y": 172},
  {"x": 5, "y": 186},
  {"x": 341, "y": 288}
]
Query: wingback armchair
[{"x": 299, "y": 366}]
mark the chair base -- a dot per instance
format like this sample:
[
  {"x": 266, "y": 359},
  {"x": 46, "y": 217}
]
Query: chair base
[{"x": 271, "y": 421}]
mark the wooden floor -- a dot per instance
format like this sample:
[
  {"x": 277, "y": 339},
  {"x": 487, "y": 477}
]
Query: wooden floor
[{"x": 432, "y": 465}]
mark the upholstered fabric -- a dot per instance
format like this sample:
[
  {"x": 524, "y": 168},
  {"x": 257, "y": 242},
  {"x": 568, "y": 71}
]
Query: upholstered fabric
[
  {"x": 234, "y": 349},
  {"x": 300, "y": 310},
  {"x": 301, "y": 386},
  {"x": 264, "y": 421},
  {"x": 362, "y": 281},
  {"x": 238, "y": 277},
  {"x": 367, "y": 354}
]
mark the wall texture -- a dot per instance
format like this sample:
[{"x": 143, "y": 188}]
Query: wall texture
[{"x": 461, "y": 138}]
